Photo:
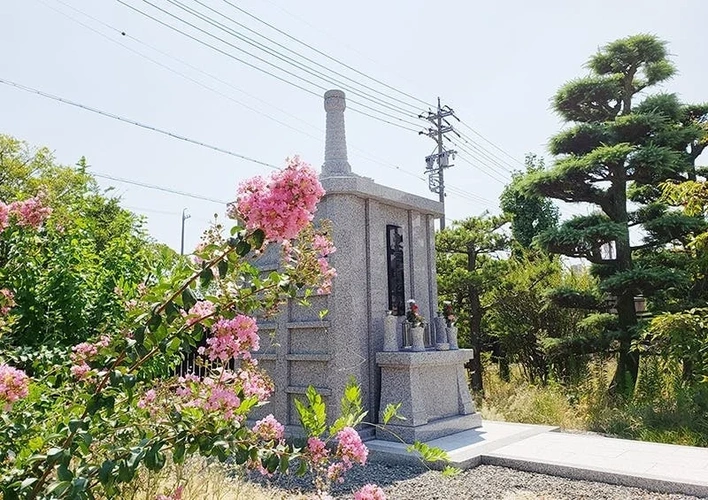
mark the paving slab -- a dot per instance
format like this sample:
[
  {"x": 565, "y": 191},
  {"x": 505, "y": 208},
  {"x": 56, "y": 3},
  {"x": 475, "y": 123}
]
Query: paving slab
[
  {"x": 536, "y": 448},
  {"x": 654, "y": 466},
  {"x": 464, "y": 449}
]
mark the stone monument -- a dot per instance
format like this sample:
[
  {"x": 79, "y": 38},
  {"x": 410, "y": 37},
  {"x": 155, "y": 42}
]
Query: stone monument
[{"x": 385, "y": 242}]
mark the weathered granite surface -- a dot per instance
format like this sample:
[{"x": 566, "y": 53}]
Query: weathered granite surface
[{"x": 432, "y": 389}]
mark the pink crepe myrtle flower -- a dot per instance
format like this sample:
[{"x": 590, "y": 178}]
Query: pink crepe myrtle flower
[
  {"x": 30, "y": 212},
  {"x": 269, "y": 429},
  {"x": 4, "y": 216},
  {"x": 323, "y": 245},
  {"x": 281, "y": 205},
  {"x": 370, "y": 492},
  {"x": 147, "y": 399},
  {"x": 256, "y": 384},
  {"x": 7, "y": 301},
  {"x": 200, "y": 310},
  {"x": 232, "y": 338},
  {"x": 175, "y": 495},
  {"x": 80, "y": 370},
  {"x": 350, "y": 446},
  {"x": 222, "y": 399},
  {"x": 14, "y": 385},
  {"x": 317, "y": 450}
]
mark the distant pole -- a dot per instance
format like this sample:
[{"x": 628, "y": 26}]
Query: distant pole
[
  {"x": 185, "y": 216},
  {"x": 436, "y": 177}
]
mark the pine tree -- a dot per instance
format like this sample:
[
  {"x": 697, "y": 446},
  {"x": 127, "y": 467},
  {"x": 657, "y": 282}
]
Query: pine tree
[{"x": 615, "y": 154}]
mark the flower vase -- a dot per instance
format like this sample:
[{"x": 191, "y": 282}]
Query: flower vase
[
  {"x": 390, "y": 338},
  {"x": 441, "y": 343},
  {"x": 452, "y": 337},
  {"x": 417, "y": 338}
]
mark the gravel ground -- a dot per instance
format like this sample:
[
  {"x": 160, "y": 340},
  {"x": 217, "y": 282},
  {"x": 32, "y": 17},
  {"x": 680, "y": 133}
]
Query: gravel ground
[{"x": 485, "y": 481}]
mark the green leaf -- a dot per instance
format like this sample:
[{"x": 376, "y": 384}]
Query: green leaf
[
  {"x": 429, "y": 453},
  {"x": 54, "y": 454},
  {"x": 188, "y": 298},
  {"x": 242, "y": 248},
  {"x": 58, "y": 488},
  {"x": 257, "y": 238},
  {"x": 171, "y": 311},
  {"x": 75, "y": 425},
  {"x": 391, "y": 411},
  {"x": 313, "y": 416},
  {"x": 206, "y": 276},
  {"x": 64, "y": 474},
  {"x": 223, "y": 268},
  {"x": 155, "y": 322},
  {"x": 105, "y": 472},
  {"x": 173, "y": 346}
]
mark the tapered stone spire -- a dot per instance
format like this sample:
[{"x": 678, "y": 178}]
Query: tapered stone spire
[{"x": 335, "y": 164}]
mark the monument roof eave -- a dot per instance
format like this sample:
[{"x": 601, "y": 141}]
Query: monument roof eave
[{"x": 366, "y": 188}]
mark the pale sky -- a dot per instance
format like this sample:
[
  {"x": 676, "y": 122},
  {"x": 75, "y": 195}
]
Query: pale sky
[{"x": 497, "y": 64}]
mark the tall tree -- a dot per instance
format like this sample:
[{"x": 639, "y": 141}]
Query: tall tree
[
  {"x": 614, "y": 155},
  {"x": 72, "y": 278},
  {"x": 467, "y": 269},
  {"x": 529, "y": 214}
]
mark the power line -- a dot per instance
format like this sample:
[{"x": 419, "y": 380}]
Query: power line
[
  {"x": 491, "y": 143},
  {"x": 324, "y": 54},
  {"x": 263, "y": 47},
  {"x": 168, "y": 68},
  {"x": 295, "y": 75},
  {"x": 133, "y": 122},
  {"x": 159, "y": 188},
  {"x": 455, "y": 191}
]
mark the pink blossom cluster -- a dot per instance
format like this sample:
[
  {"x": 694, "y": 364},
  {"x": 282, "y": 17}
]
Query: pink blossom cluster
[
  {"x": 350, "y": 447},
  {"x": 232, "y": 338},
  {"x": 269, "y": 429},
  {"x": 148, "y": 398},
  {"x": 175, "y": 495},
  {"x": 14, "y": 384},
  {"x": 317, "y": 450},
  {"x": 350, "y": 450},
  {"x": 370, "y": 492},
  {"x": 28, "y": 213},
  {"x": 4, "y": 216},
  {"x": 83, "y": 353},
  {"x": 201, "y": 309},
  {"x": 282, "y": 205},
  {"x": 210, "y": 395},
  {"x": 327, "y": 273},
  {"x": 255, "y": 384},
  {"x": 7, "y": 301},
  {"x": 323, "y": 245}
]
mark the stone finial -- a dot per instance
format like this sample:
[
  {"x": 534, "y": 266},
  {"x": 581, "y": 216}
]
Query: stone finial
[{"x": 335, "y": 163}]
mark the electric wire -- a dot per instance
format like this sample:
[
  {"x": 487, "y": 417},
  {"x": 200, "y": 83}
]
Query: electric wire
[
  {"x": 455, "y": 191},
  {"x": 314, "y": 49},
  {"x": 172, "y": 70},
  {"x": 133, "y": 122},
  {"x": 261, "y": 46},
  {"x": 158, "y": 188},
  {"x": 491, "y": 143},
  {"x": 258, "y": 68}
]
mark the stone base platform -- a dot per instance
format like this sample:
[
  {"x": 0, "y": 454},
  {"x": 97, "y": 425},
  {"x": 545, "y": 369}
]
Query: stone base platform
[
  {"x": 536, "y": 448},
  {"x": 431, "y": 387}
]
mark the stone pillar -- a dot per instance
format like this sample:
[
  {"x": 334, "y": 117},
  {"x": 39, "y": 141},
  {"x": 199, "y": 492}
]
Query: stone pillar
[{"x": 336, "y": 163}]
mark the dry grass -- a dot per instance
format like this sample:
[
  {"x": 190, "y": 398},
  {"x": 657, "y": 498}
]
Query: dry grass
[{"x": 202, "y": 480}]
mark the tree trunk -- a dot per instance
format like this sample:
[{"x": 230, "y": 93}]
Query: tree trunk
[{"x": 628, "y": 360}]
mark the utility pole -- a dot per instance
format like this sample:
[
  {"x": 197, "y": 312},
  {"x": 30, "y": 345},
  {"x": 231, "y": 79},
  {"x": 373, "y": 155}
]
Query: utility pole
[
  {"x": 436, "y": 177},
  {"x": 185, "y": 216}
]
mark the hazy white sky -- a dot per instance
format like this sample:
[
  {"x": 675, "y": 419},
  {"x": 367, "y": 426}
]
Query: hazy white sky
[{"x": 497, "y": 63}]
